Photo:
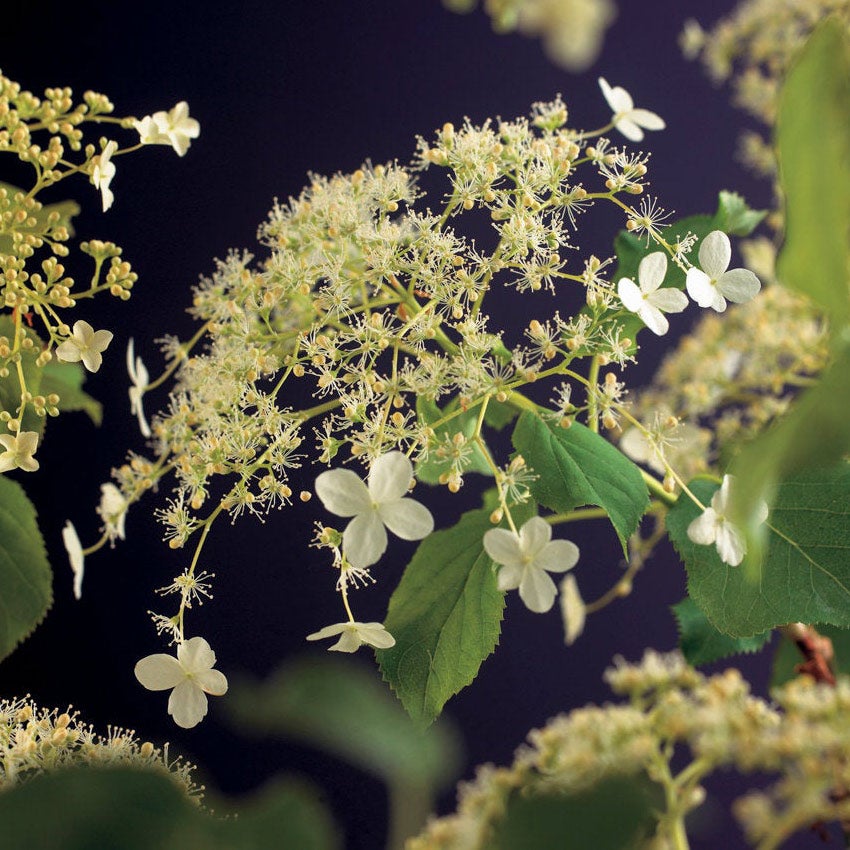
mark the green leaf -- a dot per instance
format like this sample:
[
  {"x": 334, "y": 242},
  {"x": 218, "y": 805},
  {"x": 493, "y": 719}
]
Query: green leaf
[
  {"x": 806, "y": 572},
  {"x": 701, "y": 643},
  {"x": 813, "y": 140},
  {"x": 25, "y": 574},
  {"x": 66, "y": 380},
  {"x": 734, "y": 217},
  {"x": 10, "y": 386},
  {"x": 616, "y": 814},
  {"x": 815, "y": 433},
  {"x": 431, "y": 469},
  {"x": 132, "y": 809},
  {"x": 787, "y": 656},
  {"x": 499, "y": 415},
  {"x": 346, "y": 710},
  {"x": 578, "y": 467},
  {"x": 445, "y": 616}
]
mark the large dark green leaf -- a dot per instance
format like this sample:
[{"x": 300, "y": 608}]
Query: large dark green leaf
[
  {"x": 25, "y": 573},
  {"x": 576, "y": 467},
  {"x": 445, "y": 615},
  {"x": 66, "y": 380},
  {"x": 806, "y": 572}
]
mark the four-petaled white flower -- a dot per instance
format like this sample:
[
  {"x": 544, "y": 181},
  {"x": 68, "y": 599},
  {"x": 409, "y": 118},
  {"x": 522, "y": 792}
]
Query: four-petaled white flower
[
  {"x": 139, "y": 376},
  {"x": 525, "y": 558},
  {"x": 103, "y": 172},
  {"x": 75, "y": 555},
  {"x": 712, "y": 526},
  {"x": 650, "y": 302},
  {"x": 19, "y": 451},
  {"x": 711, "y": 285},
  {"x": 381, "y": 503},
  {"x": 174, "y": 128},
  {"x": 190, "y": 675},
  {"x": 627, "y": 119},
  {"x": 86, "y": 344},
  {"x": 112, "y": 510},
  {"x": 353, "y": 635}
]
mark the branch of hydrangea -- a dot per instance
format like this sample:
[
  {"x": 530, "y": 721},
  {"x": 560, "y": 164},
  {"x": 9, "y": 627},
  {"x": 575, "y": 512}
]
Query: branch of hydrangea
[
  {"x": 184, "y": 351},
  {"x": 674, "y": 817},
  {"x": 592, "y": 407},
  {"x": 207, "y": 524},
  {"x": 576, "y": 515},
  {"x": 497, "y": 475},
  {"x": 439, "y": 334}
]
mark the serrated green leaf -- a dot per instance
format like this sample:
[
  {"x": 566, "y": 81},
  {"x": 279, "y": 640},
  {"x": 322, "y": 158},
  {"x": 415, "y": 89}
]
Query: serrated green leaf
[
  {"x": 66, "y": 380},
  {"x": 445, "y": 616},
  {"x": 734, "y": 217},
  {"x": 347, "y": 711},
  {"x": 787, "y": 656},
  {"x": 431, "y": 469},
  {"x": 813, "y": 142},
  {"x": 701, "y": 643},
  {"x": 10, "y": 386},
  {"x": 577, "y": 467},
  {"x": 806, "y": 572},
  {"x": 582, "y": 820},
  {"x": 133, "y": 809},
  {"x": 25, "y": 574}
]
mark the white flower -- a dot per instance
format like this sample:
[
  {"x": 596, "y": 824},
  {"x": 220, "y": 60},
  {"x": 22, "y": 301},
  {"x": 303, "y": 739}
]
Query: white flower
[
  {"x": 711, "y": 526},
  {"x": 627, "y": 119},
  {"x": 711, "y": 286},
  {"x": 177, "y": 127},
  {"x": 382, "y": 503},
  {"x": 103, "y": 172},
  {"x": 139, "y": 376},
  {"x": 353, "y": 635},
  {"x": 573, "y": 611},
  {"x": 149, "y": 132},
  {"x": 190, "y": 675},
  {"x": 525, "y": 558},
  {"x": 112, "y": 510},
  {"x": 650, "y": 302},
  {"x": 19, "y": 451},
  {"x": 75, "y": 555},
  {"x": 84, "y": 344}
]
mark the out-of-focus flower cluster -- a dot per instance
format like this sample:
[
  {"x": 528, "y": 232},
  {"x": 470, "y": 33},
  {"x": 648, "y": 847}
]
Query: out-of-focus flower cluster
[
  {"x": 676, "y": 714},
  {"x": 34, "y": 740},
  {"x": 572, "y": 30}
]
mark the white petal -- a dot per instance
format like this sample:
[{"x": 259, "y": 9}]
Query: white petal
[
  {"x": 328, "y": 631},
  {"x": 654, "y": 319},
  {"x": 389, "y": 477},
  {"x": 101, "y": 339},
  {"x": 557, "y": 556},
  {"x": 647, "y": 119},
  {"x": 537, "y": 591},
  {"x": 634, "y": 444},
  {"x": 349, "y": 640},
  {"x": 364, "y": 540},
  {"x": 630, "y": 295},
  {"x": 630, "y": 130},
  {"x": 730, "y": 544},
  {"x": 700, "y": 288},
  {"x": 651, "y": 271},
  {"x": 187, "y": 705},
  {"x": 92, "y": 359},
  {"x": 195, "y": 655},
  {"x": 68, "y": 352},
  {"x": 534, "y": 536},
  {"x": 212, "y": 682},
  {"x": 509, "y": 577},
  {"x": 407, "y": 518},
  {"x": 720, "y": 499},
  {"x": 159, "y": 672},
  {"x": 669, "y": 300},
  {"x": 715, "y": 252},
  {"x": 607, "y": 92},
  {"x": 343, "y": 492},
  {"x": 739, "y": 285},
  {"x": 375, "y": 635},
  {"x": 572, "y": 610},
  {"x": 503, "y": 546},
  {"x": 75, "y": 555},
  {"x": 761, "y": 512},
  {"x": 703, "y": 529},
  {"x": 618, "y": 98}
]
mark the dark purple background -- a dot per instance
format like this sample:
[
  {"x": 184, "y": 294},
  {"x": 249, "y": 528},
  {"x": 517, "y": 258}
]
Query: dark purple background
[{"x": 281, "y": 89}]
